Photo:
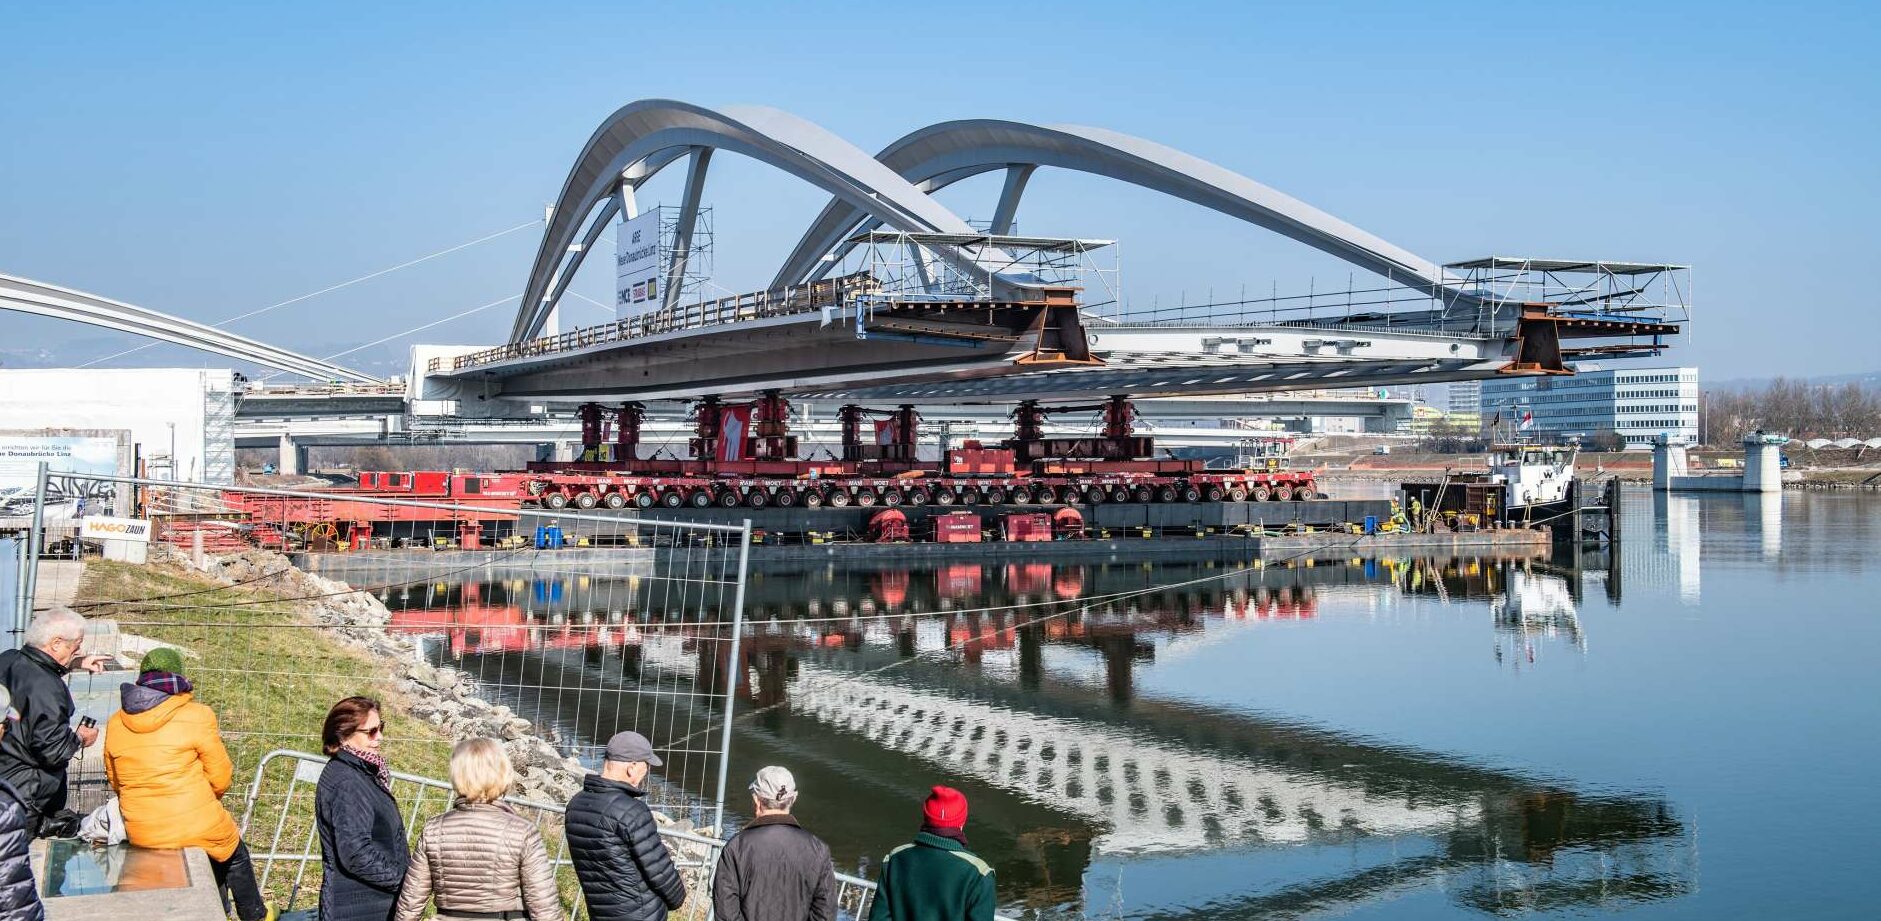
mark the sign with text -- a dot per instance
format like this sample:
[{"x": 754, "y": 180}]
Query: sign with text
[
  {"x": 99, "y": 527},
  {"x": 20, "y": 456},
  {"x": 638, "y": 258}
]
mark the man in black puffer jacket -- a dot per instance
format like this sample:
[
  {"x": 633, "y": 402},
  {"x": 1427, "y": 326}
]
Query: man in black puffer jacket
[
  {"x": 19, "y": 899},
  {"x": 625, "y": 870}
]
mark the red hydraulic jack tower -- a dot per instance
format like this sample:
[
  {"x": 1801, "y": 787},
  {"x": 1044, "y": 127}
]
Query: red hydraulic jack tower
[
  {"x": 626, "y": 431},
  {"x": 1118, "y": 442},
  {"x": 895, "y": 442},
  {"x": 770, "y": 429}
]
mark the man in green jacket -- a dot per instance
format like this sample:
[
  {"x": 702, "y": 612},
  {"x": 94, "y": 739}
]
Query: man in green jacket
[{"x": 936, "y": 878}]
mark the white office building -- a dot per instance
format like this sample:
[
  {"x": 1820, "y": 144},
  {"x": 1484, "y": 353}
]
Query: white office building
[
  {"x": 1466, "y": 397},
  {"x": 1639, "y": 404}
]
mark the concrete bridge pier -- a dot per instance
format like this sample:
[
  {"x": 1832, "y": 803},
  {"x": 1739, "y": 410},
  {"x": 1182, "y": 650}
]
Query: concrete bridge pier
[{"x": 293, "y": 457}]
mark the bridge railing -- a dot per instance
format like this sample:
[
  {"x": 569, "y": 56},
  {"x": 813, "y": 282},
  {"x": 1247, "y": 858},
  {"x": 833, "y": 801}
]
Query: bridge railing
[{"x": 738, "y": 308}]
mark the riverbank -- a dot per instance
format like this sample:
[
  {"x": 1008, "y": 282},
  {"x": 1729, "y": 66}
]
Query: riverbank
[{"x": 270, "y": 648}]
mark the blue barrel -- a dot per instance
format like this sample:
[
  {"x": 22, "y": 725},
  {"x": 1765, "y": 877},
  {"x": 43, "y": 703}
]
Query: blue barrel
[
  {"x": 549, "y": 537},
  {"x": 1371, "y": 524}
]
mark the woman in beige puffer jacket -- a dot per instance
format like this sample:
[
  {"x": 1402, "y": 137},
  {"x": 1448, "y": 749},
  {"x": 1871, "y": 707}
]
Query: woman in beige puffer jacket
[{"x": 480, "y": 860}]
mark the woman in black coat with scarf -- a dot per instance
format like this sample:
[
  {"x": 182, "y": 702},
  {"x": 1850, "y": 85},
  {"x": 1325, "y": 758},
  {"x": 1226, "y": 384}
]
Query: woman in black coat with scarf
[{"x": 362, "y": 836}]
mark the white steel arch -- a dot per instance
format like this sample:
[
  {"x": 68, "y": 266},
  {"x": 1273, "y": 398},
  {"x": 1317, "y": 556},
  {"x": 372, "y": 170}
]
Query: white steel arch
[
  {"x": 37, "y": 297},
  {"x": 939, "y": 155},
  {"x": 642, "y": 137}
]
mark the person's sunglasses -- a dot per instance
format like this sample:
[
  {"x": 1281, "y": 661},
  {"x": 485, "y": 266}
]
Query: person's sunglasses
[{"x": 375, "y": 731}]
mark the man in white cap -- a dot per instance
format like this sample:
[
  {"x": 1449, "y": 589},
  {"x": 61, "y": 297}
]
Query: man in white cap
[
  {"x": 774, "y": 870},
  {"x": 625, "y": 870}
]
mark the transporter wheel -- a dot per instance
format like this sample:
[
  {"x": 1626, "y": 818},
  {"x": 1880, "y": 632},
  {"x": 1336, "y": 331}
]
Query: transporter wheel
[
  {"x": 1214, "y": 494},
  {"x": 785, "y": 498},
  {"x": 970, "y": 495},
  {"x": 757, "y": 498},
  {"x": 730, "y": 498},
  {"x": 1191, "y": 494},
  {"x": 1283, "y": 493},
  {"x": 944, "y": 495},
  {"x": 1119, "y": 494},
  {"x": 700, "y": 498},
  {"x": 812, "y": 499},
  {"x": 1143, "y": 494},
  {"x": 586, "y": 501},
  {"x": 1045, "y": 495},
  {"x": 1261, "y": 494},
  {"x": 1021, "y": 495},
  {"x": 865, "y": 497},
  {"x": 839, "y": 498},
  {"x": 996, "y": 495},
  {"x": 1307, "y": 491},
  {"x": 615, "y": 499},
  {"x": 1237, "y": 494},
  {"x": 1165, "y": 494},
  {"x": 556, "y": 500},
  {"x": 644, "y": 499},
  {"x": 1095, "y": 495},
  {"x": 917, "y": 496}
]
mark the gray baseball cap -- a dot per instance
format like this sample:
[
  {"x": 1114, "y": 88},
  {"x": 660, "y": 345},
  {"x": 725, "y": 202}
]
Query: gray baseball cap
[
  {"x": 774, "y": 784},
  {"x": 631, "y": 746}
]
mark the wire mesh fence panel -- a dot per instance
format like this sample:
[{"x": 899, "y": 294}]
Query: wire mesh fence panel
[
  {"x": 279, "y": 829},
  {"x": 550, "y": 630}
]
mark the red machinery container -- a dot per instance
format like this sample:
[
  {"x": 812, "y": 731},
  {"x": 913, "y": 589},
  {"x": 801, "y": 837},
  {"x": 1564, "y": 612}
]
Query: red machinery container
[
  {"x": 957, "y": 528},
  {"x": 973, "y": 460},
  {"x": 1028, "y": 527}
]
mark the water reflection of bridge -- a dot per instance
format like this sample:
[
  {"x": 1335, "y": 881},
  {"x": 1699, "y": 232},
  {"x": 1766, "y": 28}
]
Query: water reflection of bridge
[{"x": 1076, "y": 778}]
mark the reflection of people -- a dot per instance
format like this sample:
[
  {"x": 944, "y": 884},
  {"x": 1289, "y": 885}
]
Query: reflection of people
[
  {"x": 362, "y": 837},
  {"x": 935, "y": 878},
  {"x": 35, "y": 754},
  {"x": 626, "y": 873},
  {"x": 774, "y": 870},
  {"x": 19, "y": 900},
  {"x": 480, "y": 859},
  {"x": 164, "y": 757}
]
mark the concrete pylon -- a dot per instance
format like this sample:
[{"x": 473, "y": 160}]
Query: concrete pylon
[
  {"x": 1668, "y": 461},
  {"x": 293, "y": 457},
  {"x": 1763, "y": 462}
]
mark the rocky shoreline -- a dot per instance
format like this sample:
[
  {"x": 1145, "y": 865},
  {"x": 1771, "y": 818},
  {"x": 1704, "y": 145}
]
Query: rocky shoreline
[{"x": 443, "y": 697}]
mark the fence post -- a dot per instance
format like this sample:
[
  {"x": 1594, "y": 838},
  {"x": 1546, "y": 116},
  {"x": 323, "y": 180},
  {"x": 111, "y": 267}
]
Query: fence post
[
  {"x": 736, "y": 669},
  {"x": 35, "y": 543}
]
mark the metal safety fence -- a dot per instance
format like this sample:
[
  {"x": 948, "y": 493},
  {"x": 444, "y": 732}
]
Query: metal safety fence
[
  {"x": 463, "y": 612},
  {"x": 283, "y": 840}
]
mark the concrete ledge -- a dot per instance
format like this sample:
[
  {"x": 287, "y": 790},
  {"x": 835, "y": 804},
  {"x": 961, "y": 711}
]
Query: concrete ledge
[{"x": 149, "y": 890}]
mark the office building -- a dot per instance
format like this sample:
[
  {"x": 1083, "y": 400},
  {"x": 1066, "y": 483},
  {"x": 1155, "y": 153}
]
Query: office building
[{"x": 1638, "y": 404}]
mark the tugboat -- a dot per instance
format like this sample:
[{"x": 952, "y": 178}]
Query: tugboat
[{"x": 1520, "y": 484}]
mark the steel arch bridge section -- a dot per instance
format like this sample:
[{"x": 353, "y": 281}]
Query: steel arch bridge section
[
  {"x": 37, "y": 297},
  {"x": 643, "y": 137},
  {"x": 942, "y": 154}
]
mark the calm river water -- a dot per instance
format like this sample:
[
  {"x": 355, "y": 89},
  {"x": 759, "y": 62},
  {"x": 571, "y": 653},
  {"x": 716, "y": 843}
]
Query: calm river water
[{"x": 1689, "y": 730}]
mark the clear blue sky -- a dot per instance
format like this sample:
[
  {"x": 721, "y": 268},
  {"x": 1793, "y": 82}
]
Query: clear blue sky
[{"x": 209, "y": 160}]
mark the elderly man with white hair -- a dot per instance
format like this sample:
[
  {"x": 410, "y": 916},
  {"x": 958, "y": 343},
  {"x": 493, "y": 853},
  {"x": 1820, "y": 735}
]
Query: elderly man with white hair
[
  {"x": 40, "y": 743},
  {"x": 774, "y": 870}
]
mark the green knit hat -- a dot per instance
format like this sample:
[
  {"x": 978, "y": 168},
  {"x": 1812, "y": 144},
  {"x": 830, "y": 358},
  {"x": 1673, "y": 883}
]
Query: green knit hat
[{"x": 162, "y": 659}]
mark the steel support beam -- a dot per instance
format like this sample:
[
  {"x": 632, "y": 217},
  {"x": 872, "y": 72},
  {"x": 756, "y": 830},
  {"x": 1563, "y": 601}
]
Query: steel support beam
[{"x": 696, "y": 165}]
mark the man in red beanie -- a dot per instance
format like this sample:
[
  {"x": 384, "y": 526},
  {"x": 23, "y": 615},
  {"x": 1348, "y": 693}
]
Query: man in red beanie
[{"x": 936, "y": 878}]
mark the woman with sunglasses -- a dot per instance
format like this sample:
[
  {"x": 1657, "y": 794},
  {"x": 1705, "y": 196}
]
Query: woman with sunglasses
[{"x": 362, "y": 837}]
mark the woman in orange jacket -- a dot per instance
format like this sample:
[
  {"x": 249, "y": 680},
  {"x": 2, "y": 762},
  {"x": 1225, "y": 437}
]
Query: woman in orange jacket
[{"x": 163, "y": 754}]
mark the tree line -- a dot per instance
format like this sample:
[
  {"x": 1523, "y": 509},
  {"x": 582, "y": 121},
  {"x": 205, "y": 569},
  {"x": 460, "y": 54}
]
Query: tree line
[{"x": 1796, "y": 408}]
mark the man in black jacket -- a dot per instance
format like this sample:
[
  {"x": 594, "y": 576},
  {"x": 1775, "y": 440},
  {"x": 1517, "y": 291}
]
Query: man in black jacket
[
  {"x": 19, "y": 898},
  {"x": 625, "y": 870},
  {"x": 36, "y": 751},
  {"x": 774, "y": 870}
]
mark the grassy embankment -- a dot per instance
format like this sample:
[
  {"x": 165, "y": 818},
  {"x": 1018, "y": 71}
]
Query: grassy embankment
[{"x": 270, "y": 673}]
